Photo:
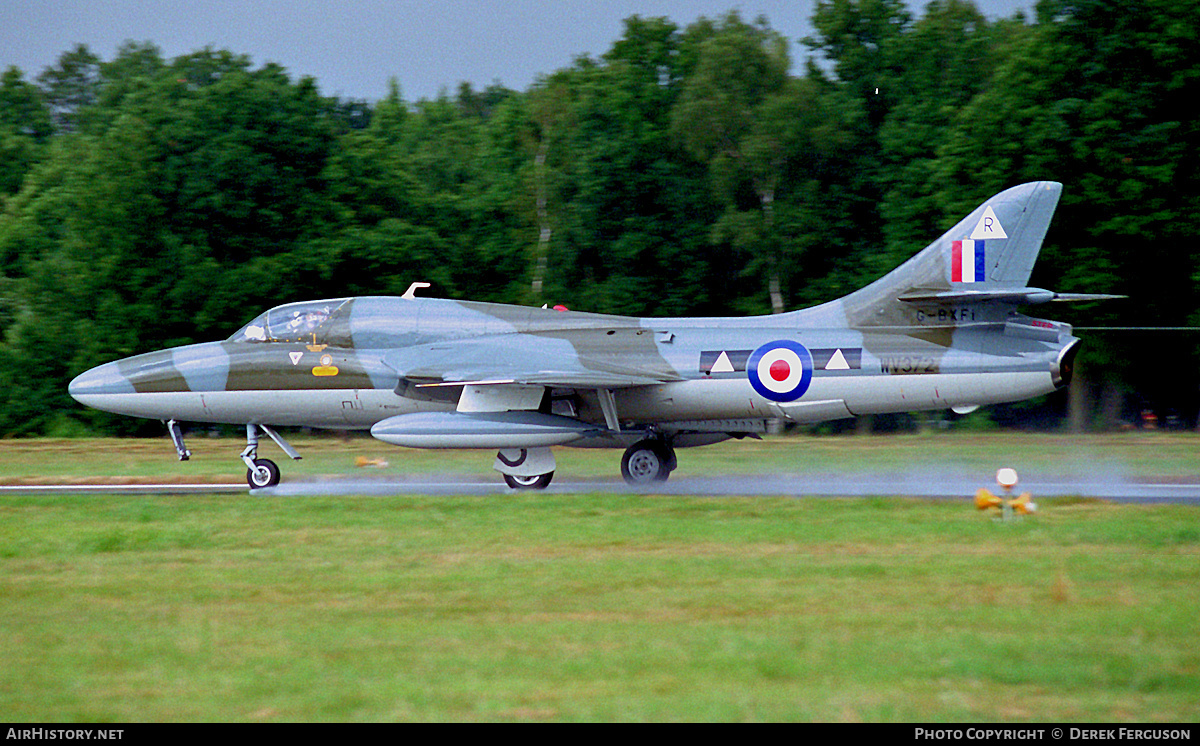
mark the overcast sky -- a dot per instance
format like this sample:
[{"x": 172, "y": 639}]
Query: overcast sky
[{"x": 353, "y": 47}]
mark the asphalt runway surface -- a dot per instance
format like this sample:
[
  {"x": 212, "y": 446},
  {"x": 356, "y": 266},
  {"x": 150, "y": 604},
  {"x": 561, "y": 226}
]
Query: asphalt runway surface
[
  {"x": 825, "y": 485},
  {"x": 921, "y": 485}
]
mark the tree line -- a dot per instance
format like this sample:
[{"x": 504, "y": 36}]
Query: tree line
[{"x": 689, "y": 170}]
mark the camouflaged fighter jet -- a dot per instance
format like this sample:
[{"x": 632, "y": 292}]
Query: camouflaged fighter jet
[{"x": 941, "y": 331}]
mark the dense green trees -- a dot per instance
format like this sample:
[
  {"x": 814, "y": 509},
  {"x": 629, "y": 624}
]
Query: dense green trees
[{"x": 149, "y": 201}]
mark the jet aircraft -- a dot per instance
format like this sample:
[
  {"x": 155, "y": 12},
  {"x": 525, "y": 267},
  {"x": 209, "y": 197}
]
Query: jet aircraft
[{"x": 943, "y": 330}]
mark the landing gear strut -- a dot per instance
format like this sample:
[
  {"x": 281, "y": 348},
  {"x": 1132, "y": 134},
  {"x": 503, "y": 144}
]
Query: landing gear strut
[
  {"x": 263, "y": 472},
  {"x": 177, "y": 439},
  {"x": 648, "y": 461}
]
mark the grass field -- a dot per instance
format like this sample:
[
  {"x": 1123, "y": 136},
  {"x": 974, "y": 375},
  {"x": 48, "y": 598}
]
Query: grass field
[{"x": 595, "y": 607}]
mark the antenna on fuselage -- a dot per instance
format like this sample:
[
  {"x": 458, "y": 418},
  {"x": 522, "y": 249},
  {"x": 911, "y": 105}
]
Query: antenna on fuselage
[{"x": 411, "y": 293}]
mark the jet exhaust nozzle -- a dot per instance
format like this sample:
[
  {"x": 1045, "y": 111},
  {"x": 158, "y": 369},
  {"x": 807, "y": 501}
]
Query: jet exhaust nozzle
[
  {"x": 519, "y": 429},
  {"x": 1062, "y": 370}
]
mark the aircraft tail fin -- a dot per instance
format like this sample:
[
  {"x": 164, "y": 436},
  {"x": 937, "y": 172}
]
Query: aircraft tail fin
[
  {"x": 998, "y": 243},
  {"x": 986, "y": 258}
]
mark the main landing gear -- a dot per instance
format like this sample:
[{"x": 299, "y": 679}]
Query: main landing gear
[{"x": 648, "y": 461}]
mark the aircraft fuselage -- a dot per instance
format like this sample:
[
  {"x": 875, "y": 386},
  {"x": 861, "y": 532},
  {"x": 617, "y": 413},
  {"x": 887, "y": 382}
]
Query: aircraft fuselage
[{"x": 340, "y": 378}]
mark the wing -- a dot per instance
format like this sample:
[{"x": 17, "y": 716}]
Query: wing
[{"x": 592, "y": 359}]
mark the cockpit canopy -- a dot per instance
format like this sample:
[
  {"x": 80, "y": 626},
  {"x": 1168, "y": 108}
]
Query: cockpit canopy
[{"x": 312, "y": 322}]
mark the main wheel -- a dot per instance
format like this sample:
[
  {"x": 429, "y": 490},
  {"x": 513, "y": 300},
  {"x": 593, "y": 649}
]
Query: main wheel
[
  {"x": 536, "y": 482},
  {"x": 646, "y": 462},
  {"x": 264, "y": 474}
]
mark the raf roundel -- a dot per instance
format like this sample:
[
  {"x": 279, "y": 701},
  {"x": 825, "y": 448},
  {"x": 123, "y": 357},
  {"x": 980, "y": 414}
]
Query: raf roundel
[{"x": 781, "y": 370}]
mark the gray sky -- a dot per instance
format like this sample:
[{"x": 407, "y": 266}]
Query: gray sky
[{"x": 353, "y": 47}]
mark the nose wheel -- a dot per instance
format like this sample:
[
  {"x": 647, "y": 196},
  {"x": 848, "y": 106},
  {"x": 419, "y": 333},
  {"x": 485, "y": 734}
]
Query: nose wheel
[{"x": 264, "y": 473}]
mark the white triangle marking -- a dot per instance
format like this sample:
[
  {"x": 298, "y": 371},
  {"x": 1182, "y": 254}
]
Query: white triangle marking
[
  {"x": 722, "y": 365},
  {"x": 837, "y": 362},
  {"x": 295, "y": 356},
  {"x": 988, "y": 226}
]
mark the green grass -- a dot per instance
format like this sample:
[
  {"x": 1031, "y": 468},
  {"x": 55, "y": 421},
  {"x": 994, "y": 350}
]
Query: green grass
[
  {"x": 1159, "y": 455},
  {"x": 594, "y": 607}
]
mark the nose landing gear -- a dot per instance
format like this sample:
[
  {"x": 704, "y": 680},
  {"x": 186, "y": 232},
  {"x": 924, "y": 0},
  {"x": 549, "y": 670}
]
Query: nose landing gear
[
  {"x": 260, "y": 472},
  {"x": 263, "y": 472}
]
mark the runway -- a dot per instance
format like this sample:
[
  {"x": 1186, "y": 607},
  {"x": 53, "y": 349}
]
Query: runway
[
  {"x": 825, "y": 485},
  {"x": 941, "y": 486}
]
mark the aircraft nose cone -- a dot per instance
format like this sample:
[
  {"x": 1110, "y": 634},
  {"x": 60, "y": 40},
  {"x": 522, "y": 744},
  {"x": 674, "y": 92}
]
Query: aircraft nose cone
[{"x": 99, "y": 381}]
